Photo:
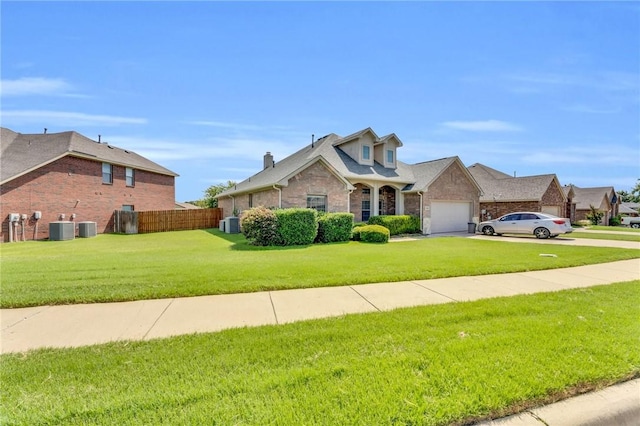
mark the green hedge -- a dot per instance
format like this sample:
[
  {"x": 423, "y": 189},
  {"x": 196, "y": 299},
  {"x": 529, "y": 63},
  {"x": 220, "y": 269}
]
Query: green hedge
[
  {"x": 260, "y": 226},
  {"x": 334, "y": 227},
  {"x": 297, "y": 226},
  {"x": 402, "y": 224},
  {"x": 371, "y": 234}
]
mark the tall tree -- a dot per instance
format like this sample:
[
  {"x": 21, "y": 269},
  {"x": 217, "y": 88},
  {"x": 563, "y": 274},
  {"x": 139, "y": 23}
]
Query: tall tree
[{"x": 209, "y": 193}]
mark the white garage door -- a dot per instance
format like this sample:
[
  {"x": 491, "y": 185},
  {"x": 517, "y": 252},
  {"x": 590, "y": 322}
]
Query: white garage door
[
  {"x": 554, "y": 210},
  {"x": 450, "y": 216}
]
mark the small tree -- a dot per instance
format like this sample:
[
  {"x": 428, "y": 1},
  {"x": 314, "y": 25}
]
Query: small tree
[{"x": 595, "y": 215}]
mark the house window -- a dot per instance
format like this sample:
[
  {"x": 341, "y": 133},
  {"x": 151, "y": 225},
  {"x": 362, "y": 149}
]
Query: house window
[
  {"x": 130, "y": 176},
  {"x": 389, "y": 156},
  {"x": 366, "y": 191},
  {"x": 107, "y": 173},
  {"x": 318, "y": 202},
  {"x": 366, "y": 152},
  {"x": 366, "y": 210},
  {"x": 127, "y": 207},
  {"x": 250, "y": 200}
]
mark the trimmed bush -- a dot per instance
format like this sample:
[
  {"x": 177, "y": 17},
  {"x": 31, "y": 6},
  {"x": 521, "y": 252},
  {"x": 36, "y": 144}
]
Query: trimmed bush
[
  {"x": 401, "y": 224},
  {"x": 334, "y": 227},
  {"x": 260, "y": 226},
  {"x": 372, "y": 234},
  {"x": 297, "y": 226}
]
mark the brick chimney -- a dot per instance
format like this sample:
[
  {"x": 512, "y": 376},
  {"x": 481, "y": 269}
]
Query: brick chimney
[{"x": 268, "y": 160}]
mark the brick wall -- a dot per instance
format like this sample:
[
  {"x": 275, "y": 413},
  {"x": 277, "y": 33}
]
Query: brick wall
[
  {"x": 356, "y": 198},
  {"x": 315, "y": 180},
  {"x": 412, "y": 204},
  {"x": 495, "y": 210},
  {"x": 452, "y": 185},
  {"x": 74, "y": 185}
]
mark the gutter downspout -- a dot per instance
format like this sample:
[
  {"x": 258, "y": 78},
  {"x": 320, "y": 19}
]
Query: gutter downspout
[
  {"x": 279, "y": 195},
  {"x": 233, "y": 203},
  {"x": 421, "y": 210}
]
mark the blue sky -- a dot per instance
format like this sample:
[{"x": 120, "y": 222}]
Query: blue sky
[{"x": 206, "y": 88}]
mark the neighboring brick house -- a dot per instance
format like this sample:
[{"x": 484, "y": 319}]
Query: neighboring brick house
[
  {"x": 502, "y": 193},
  {"x": 69, "y": 174},
  {"x": 361, "y": 174},
  {"x": 629, "y": 209},
  {"x": 604, "y": 199}
]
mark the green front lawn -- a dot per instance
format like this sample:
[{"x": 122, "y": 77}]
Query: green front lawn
[
  {"x": 114, "y": 267},
  {"x": 432, "y": 365}
]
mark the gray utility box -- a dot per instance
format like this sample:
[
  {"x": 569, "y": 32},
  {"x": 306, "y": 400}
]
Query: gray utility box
[
  {"x": 61, "y": 230},
  {"x": 223, "y": 225},
  {"x": 232, "y": 225},
  {"x": 87, "y": 229}
]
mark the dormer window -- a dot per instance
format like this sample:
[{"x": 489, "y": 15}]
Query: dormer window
[
  {"x": 389, "y": 156},
  {"x": 366, "y": 152}
]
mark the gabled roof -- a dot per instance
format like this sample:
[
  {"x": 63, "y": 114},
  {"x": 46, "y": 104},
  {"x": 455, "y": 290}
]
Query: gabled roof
[
  {"x": 23, "y": 153},
  {"x": 327, "y": 150},
  {"x": 498, "y": 186},
  {"x": 625, "y": 208},
  {"x": 584, "y": 198}
]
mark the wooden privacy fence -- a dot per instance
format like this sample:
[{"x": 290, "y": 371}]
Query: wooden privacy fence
[{"x": 145, "y": 222}]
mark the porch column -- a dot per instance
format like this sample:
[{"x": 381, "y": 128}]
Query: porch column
[{"x": 375, "y": 210}]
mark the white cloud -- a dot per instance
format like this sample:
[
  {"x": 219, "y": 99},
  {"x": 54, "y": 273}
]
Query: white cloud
[
  {"x": 578, "y": 155},
  {"x": 27, "y": 86},
  {"x": 65, "y": 118},
  {"x": 612, "y": 81},
  {"x": 581, "y": 108},
  {"x": 251, "y": 149},
  {"x": 482, "y": 126}
]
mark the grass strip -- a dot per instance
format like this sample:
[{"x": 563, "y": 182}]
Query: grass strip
[
  {"x": 614, "y": 228},
  {"x": 598, "y": 236},
  {"x": 433, "y": 365},
  {"x": 114, "y": 267}
]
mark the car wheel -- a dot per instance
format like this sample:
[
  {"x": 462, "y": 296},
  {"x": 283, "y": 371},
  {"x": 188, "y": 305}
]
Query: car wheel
[
  {"x": 635, "y": 225},
  {"x": 541, "y": 233},
  {"x": 488, "y": 230}
]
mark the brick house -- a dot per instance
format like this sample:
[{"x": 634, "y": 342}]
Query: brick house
[
  {"x": 69, "y": 174},
  {"x": 361, "y": 174},
  {"x": 603, "y": 198},
  {"x": 502, "y": 193}
]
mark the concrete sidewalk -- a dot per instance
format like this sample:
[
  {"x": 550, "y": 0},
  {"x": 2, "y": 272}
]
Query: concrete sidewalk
[
  {"x": 617, "y": 405},
  {"x": 80, "y": 325}
]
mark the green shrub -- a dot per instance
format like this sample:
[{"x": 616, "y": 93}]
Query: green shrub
[
  {"x": 615, "y": 221},
  {"x": 334, "y": 227},
  {"x": 373, "y": 234},
  {"x": 297, "y": 226},
  {"x": 401, "y": 224},
  {"x": 260, "y": 226},
  {"x": 594, "y": 215}
]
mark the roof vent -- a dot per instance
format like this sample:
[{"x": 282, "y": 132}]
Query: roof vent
[{"x": 45, "y": 130}]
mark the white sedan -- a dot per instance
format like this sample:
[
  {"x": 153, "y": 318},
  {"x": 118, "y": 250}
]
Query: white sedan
[{"x": 541, "y": 225}]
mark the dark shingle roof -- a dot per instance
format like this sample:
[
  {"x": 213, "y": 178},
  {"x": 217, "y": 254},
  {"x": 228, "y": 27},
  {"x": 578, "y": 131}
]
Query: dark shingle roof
[
  {"x": 584, "y": 198},
  {"x": 327, "y": 150},
  {"x": 22, "y": 153},
  {"x": 508, "y": 188}
]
